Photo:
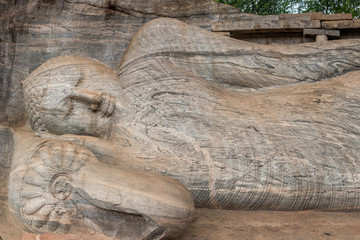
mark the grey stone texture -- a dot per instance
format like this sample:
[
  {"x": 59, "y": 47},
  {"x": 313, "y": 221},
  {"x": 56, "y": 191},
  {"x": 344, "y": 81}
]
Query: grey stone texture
[
  {"x": 130, "y": 120},
  {"x": 32, "y": 32},
  {"x": 241, "y": 125}
]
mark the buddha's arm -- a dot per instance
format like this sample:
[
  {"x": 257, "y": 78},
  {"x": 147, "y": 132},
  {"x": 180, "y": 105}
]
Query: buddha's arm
[{"x": 238, "y": 63}]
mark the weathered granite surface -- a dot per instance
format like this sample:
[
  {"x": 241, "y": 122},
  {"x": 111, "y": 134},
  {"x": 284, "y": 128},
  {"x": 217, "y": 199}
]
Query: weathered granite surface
[
  {"x": 32, "y": 32},
  {"x": 6, "y": 150},
  {"x": 243, "y": 126}
]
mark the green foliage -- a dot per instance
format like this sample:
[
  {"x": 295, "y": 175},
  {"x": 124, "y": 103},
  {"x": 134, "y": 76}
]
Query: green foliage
[
  {"x": 266, "y": 7},
  {"x": 331, "y": 6},
  {"x": 260, "y": 7}
]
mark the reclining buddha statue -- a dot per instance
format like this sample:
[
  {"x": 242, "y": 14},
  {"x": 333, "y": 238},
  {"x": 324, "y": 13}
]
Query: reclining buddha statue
[{"x": 240, "y": 125}]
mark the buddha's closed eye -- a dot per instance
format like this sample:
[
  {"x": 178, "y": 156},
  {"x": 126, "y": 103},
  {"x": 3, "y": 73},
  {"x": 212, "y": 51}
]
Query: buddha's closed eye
[{"x": 98, "y": 101}]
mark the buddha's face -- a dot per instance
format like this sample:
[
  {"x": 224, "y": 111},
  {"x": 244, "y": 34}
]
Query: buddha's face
[
  {"x": 78, "y": 111},
  {"x": 78, "y": 100}
]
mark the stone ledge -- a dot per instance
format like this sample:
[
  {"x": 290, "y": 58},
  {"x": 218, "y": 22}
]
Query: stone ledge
[
  {"x": 228, "y": 26},
  {"x": 316, "y": 16},
  {"x": 301, "y": 16},
  {"x": 338, "y": 16},
  {"x": 346, "y": 24},
  {"x": 315, "y": 32}
]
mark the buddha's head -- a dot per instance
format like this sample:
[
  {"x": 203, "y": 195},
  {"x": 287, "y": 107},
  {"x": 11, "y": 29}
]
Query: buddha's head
[{"x": 71, "y": 95}]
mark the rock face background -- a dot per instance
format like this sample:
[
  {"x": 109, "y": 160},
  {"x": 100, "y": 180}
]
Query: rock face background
[
  {"x": 32, "y": 32},
  {"x": 5, "y": 157}
]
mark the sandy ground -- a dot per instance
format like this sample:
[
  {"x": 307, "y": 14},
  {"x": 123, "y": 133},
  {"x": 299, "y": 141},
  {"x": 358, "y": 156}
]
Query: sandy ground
[
  {"x": 212, "y": 224},
  {"x": 222, "y": 224}
]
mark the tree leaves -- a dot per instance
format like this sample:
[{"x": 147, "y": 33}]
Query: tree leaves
[{"x": 266, "y": 7}]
